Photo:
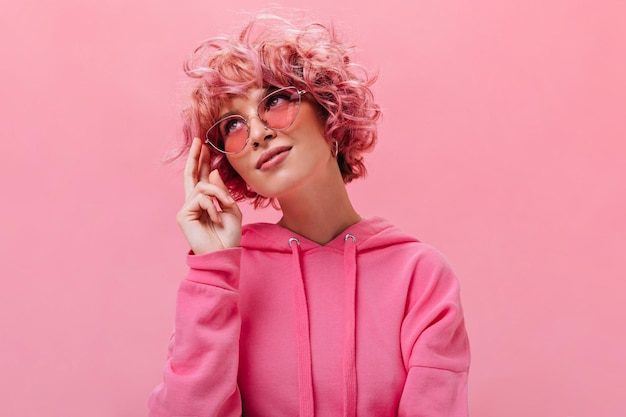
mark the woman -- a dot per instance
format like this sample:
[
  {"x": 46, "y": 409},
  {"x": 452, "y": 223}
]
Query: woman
[{"x": 323, "y": 313}]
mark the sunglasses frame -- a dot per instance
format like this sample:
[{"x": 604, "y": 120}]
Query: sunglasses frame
[{"x": 246, "y": 120}]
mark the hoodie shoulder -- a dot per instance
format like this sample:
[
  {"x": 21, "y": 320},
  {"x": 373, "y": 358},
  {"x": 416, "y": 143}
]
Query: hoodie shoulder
[{"x": 265, "y": 236}]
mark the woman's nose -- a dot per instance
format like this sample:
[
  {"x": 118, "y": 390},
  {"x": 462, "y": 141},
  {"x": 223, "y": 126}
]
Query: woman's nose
[{"x": 258, "y": 131}]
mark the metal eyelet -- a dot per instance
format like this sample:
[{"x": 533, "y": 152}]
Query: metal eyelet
[
  {"x": 350, "y": 236},
  {"x": 293, "y": 239}
]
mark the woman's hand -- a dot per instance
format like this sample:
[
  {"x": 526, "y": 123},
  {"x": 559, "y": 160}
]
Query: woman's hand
[{"x": 206, "y": 228}]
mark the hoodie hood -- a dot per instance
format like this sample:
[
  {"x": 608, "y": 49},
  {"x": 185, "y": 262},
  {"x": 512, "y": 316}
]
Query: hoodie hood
[{"x": 370, "y": 234}]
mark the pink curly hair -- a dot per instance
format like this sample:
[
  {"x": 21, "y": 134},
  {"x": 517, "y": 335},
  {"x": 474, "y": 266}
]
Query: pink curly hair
[{"x": 273, "y": 51}]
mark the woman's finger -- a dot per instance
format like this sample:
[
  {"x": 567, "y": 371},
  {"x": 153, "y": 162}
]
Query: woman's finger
[
  {"x": 190, "y": 175},
  {"x": 225, "y": 200},
  {"x": 205, "y": 163},
  {"x": 206, "y": 203},
  {"x": 211, "y": 190},
  {"x": 195, "y": 206},
  {"x": 216, "y": 179}
]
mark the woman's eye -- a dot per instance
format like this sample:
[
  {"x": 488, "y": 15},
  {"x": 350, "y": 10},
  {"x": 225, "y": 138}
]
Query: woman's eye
[
  {"x": 275, "y": 101},
  {"x": 231, "y": 126}
]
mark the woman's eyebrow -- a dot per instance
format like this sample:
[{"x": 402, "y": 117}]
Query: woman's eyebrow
[
  {"x": 269, "y": 90},
  {"x": 263, "y": 93},
  {"x": 228, "y": 114}
]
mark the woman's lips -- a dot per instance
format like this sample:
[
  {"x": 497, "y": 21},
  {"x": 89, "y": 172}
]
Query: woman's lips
[{"x": 272, "y": 157}]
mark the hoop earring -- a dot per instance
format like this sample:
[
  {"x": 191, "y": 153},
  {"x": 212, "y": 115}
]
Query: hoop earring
[{"x": 335, "y": 150}]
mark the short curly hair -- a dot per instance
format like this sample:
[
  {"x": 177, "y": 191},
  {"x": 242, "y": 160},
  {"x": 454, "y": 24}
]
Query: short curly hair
[{"x": 274, "y": 51}]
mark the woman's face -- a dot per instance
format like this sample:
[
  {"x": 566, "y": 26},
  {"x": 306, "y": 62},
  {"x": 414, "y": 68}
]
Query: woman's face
[{"x": 283, "y": 160}]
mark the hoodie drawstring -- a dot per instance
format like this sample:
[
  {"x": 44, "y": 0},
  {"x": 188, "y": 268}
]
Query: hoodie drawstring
[
  {"x": 303, "y": 337},
  {"x": 349, "y": 351}
]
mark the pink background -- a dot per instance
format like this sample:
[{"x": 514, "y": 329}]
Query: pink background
[{"x": 503, "y": 144}]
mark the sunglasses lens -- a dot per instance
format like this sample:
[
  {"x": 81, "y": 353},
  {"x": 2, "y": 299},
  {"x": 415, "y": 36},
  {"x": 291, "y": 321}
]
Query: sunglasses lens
[
  {"x": 229, "y": 135},
  {"x": 280, "y": 108}
]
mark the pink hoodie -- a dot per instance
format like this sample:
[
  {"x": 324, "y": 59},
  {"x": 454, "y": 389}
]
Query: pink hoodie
[{"x": 369, "y": 324}]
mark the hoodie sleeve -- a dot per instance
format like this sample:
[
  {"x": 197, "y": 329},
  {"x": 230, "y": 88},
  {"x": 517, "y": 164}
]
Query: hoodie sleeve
[
  {"x": 200, "y": 375},
  {"x": 434, "y": 343}
]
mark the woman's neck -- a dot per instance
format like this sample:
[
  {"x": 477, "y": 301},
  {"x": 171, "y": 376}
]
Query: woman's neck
[{"x": 319, "y": 212}]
